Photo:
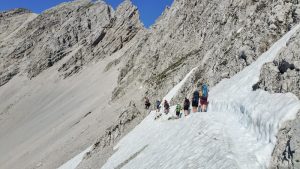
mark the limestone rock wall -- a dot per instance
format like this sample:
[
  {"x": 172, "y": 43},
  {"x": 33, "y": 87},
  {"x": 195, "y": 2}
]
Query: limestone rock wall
[{"x": 218, "y": 37}]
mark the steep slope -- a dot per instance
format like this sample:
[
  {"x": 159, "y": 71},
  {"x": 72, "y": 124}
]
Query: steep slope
[
  {"x": 55, "y": 83},
  {"x": 79, "y": 68},
  {"x": 238, "y": 131},
  {"x": 220, "y": 42}
]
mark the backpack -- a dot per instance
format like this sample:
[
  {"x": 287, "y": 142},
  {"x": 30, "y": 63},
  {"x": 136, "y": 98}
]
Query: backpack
[
  {"x": 157, "y": 102},
  {"x": 204, "y": 91},
  {"x": 196, "y": 96}
]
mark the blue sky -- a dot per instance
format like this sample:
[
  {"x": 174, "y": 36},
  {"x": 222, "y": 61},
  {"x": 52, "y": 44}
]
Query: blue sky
[{"x": 149, "y": 10}]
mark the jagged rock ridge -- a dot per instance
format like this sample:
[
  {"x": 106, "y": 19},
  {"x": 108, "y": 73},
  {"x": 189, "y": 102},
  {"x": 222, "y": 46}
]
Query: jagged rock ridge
[{"x": 94, "y": 29}]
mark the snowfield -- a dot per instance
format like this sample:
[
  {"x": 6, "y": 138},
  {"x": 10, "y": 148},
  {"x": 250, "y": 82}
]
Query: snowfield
[{"x": 237, "y": 132}]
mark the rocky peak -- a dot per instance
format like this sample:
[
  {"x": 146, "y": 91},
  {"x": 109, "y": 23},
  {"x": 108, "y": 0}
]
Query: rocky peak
[
  {"x": 92, "y": 29},
  {"x": 72, "y": 5},
  {"x": 129, "y": 12},
  {"x": 126, "y": 7}
]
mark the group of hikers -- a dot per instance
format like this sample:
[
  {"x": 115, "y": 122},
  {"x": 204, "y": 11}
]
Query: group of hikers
[{"x": 198, "y": 101}]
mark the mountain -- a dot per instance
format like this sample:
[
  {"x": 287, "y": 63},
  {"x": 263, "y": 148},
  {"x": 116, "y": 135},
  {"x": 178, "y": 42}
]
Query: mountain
[
  {"x": 76, "y": 75},
  {"x": 54, "y": 81},
  {"x": 236, "y": 132}
]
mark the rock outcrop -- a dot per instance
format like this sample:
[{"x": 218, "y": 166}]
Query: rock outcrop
[
  {"x": 283, "y": 74},
  {"x": 286, "y": 152}
]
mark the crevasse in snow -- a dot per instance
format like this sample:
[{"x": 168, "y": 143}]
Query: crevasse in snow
[{"x": 238, "y": 131}]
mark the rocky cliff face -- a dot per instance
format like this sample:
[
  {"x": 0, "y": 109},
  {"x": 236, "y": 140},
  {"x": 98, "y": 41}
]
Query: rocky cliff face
[
  {"x": 286, "y": 153},
  {"x": 10, "y": 24},
  {"x": 220, "y": 38},
  {"x": 94, "y": 30}
]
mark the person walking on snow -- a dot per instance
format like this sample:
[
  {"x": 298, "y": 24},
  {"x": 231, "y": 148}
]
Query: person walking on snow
[
  {"x": 186, "y": 106},
  {"x": 178, "y": 110},
  {"x": 195, "y": 101},
  {"x": 158, "y": 114},
  {"x": 203, "y": 98},
  {"x": 167, "y": 107},
  {"x": 157, "y": 106},
  {"x": 147, "y": 103}
]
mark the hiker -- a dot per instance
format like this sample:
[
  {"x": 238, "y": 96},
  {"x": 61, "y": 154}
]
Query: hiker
[
  {"x": 158, "y": 113},
  {"x": 178, "y": 109},
  {"x": 203, "y": 98},
  {"x": 157, "y": 106},
  {"x": 167, "y": 107},
  {"x": 147, "y": 103},
  {"x": 195, "y": 101},
  {"x": 186, "y": 106}
]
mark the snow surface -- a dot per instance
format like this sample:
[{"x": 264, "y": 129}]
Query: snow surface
[
  {"x": 175, "y": 89},
  {"x": 238, "y": 131},
  {"x": 74, "y": 162}
]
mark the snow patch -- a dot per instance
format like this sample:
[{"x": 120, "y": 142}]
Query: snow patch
[
  {"x": 75, "y": 161},
  {"x": 240, "y": 30},
  {"x": 176, "y": 88}
]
